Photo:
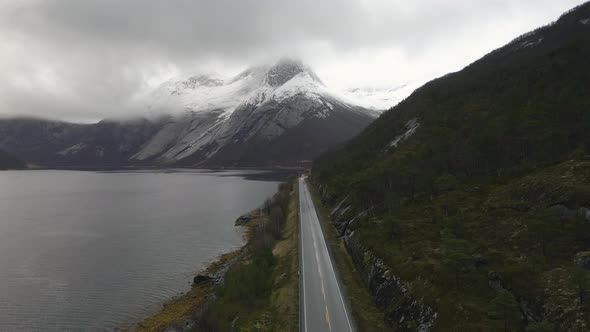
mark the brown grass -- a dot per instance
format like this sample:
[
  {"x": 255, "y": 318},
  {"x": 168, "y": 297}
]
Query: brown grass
[
  {"x": 180, "y": 309},
  {"x": 285, "y": 295},
  {"x": 282, "y": 312}
]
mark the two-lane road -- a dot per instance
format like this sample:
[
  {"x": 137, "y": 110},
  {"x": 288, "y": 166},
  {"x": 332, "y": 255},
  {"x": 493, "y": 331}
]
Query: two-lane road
[{"x": 322, "y": 304}]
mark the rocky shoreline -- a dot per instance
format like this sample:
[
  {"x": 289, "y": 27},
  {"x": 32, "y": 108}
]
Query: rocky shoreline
[
  {"x": 183, "y": 312},
  {"x": 253, "y": 287}
]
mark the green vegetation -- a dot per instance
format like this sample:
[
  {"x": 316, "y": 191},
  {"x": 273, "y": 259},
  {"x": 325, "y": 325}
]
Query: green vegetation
[
  {"x": 7, "y": 161},
  {"x": 181, "y": 309},
  {"x": 247, "y": 284},
  {"x": 505, "y": 309},
  {"x": 260, "y": 293},
  {"x": 479, "y": 211},
  {"x": 284, "y": 300}
]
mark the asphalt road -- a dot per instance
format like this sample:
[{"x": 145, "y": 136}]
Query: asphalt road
[{"x": 322, "y": 306}]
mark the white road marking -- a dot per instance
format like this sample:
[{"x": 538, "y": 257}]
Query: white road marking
[
  {"x": 316, "y": 233},
  {"x": 302, "y": 264},
  {"x": 308, "y": 195}
]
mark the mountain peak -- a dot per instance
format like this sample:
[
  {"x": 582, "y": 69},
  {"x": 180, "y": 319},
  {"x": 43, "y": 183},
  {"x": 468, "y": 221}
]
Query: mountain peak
[{"x": 285, "y": 69}]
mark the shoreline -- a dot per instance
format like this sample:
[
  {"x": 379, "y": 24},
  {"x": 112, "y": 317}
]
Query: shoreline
[
  {"x": 255, "y": 286},
  {"x": 106, "y": 168},
  {"x": 181, "y": 311}
]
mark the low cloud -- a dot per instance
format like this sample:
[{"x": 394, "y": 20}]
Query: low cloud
[{"x": 86, "y": 60}]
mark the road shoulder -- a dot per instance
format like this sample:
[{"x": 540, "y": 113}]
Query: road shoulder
[{"x": 359, "y": 302}]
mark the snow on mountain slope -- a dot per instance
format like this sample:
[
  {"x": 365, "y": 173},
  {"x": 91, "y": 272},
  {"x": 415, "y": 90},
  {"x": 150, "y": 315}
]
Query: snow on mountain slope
[
  {"x": 205, "y": 93},
  {"x": 268, "y": 115},
  {"x": 379, "y": 99},
  {"x": 261, "y": 103},
  {"x": 202, "y": 93}
]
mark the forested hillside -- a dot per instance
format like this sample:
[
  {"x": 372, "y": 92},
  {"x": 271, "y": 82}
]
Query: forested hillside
[
  {"x": 8, "y": 161},
  {"x": 474, "y": 192}
]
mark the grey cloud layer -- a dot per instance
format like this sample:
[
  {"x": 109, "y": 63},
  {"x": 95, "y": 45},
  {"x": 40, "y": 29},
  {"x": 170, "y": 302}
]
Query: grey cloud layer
[
  {"x": 232, "y": 27},
  {"x": 87, "y": 59}
]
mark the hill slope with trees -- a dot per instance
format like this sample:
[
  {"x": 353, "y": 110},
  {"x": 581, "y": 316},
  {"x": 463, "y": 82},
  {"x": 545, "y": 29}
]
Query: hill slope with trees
[
  {"x": 7, "y": 161},
  {"x": 472, "y": 196}
]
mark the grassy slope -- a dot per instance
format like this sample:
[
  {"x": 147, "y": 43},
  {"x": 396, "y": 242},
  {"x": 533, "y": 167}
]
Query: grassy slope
[
  {"x": 434, "y": 245},
  {"x": 261, "y": 292},
  {"x": 281, "y": 310},
  {"x": 285, "y": 295},
  {"x": 366, "y": 315},
  {"x": 178, "y": 310}
]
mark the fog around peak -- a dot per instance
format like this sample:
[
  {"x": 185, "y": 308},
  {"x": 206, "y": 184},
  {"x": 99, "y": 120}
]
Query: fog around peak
[{"x": 94, "y": 59}]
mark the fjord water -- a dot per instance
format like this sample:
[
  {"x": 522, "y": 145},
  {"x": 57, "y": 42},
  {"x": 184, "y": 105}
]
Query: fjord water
[{"x": 93, "y": 251}]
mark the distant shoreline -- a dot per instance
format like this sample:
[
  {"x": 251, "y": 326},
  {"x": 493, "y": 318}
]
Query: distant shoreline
[
  {"x": 264, "y": 174},
  {"x": 152, "y": 168}
]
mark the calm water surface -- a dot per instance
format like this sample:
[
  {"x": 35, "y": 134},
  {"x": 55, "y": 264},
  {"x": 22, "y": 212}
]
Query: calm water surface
[{"x": 93, "y": 251}]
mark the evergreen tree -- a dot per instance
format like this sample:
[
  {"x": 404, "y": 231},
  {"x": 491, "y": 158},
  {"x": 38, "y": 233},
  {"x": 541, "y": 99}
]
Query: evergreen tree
[{"x": 506, "y": 309}]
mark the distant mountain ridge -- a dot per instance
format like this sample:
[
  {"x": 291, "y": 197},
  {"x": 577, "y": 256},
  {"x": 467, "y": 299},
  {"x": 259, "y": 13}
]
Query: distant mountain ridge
[{"x": 268, "y": 115}]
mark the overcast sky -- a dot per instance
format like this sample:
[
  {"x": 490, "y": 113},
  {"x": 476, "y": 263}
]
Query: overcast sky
[{"x": 83, "y": 60}]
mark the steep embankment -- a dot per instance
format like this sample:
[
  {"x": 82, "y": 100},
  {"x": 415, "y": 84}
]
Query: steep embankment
[{"x": 467, "y": 205}]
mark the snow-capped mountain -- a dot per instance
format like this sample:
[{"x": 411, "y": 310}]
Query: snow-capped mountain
[
  {"x": 252, "y": 118},
  {"x": 203, "y": 93},
  {"x": 266, "y": 115}
]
